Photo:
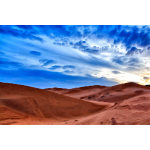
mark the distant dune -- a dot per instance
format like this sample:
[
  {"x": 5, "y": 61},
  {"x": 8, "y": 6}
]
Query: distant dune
[
  {"x": 78, "y": 92},
  {"x": 122, "y": 104},
  {"x": 102, "y": 93},
  {"x": 118, "y": 92}
]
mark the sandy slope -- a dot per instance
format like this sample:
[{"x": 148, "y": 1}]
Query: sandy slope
[
  {"x": 118, "y": 105},
  {"x": 130, "y": 105},
  {"x": 118, "y": 93},
  {"x": 133, "y": 111},
  {"x": 106, "y": 94},
  {"x": 18, "y": 103},
  {"x": 78, "y": 92}
]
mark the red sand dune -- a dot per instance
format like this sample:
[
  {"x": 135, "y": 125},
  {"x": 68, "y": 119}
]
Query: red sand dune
[
  {"x": 78, "y": 92},
  {"x": 132, "y": 111},
  {"x": 107, "y": 94},
  {"x": 117, "y": 93},
  {"x": 117, "y": 105},
  {"x": 19, "y": 102}
]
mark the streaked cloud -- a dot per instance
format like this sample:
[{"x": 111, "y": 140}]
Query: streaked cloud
[
  {"x": 145, "y": 78},
  {"x": 35, "y": 53},
  {"x": 113, "y": 54},
  {"x": 116, "y": 72}
]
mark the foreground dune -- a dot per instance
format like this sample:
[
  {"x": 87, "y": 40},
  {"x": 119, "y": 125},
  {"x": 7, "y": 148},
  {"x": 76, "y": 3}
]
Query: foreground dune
[
  {"x": 18, "y": 102},
  {"x": 133, "y": 111},
  {"x": 130, "y": 106}
]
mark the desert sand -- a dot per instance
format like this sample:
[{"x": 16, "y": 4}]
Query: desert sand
[
  {"x": 78, "y": 92},
  {"x": 20, "y": 103},
  {"x": 124, "y": 104}
]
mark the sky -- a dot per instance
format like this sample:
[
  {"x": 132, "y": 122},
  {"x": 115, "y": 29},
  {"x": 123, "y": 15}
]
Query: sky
[{"x": 69, "y": 56}]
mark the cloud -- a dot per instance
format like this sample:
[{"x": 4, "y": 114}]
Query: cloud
[
  {"x": 69, "y": 67},
  {"x": 68, "y": 71},
  {"x": 26, "y": 27},
  {"x": 35, "y": 53},
  {"x": 133, "y": 51},
  {"x": 147, "y": 68},
  {"x": 75, "y": 35},
  {"x": 55, "y": 67},
  {"x": 60, "y": 43},
  {"x": 126, "y": 61},
  {"x": 9, "y": 64},
  {"x": 133, "y": 68},
  {"x": 97, "y": 63},
  {"x": 126, "y": 35},
  {"x": 45, "y": 79},
  {"x": 133, "y": 61},
  {"x": 119, "y": 60},
  {"x": 145, "y": 78},
  {"x": 86, "y": 31},
  {"x": 84, "y": 46},
  {"x": 92, "y": 51},
  {"x": 116, "y": 72},
  {"x": 25, "y": 34},
  {"x": 61, "y": 31},
  {"x": 80, "y": 45},
  {"x": 42, "y": 61},
  {"x": 49, "y": 62},
  {"x": 88, "y": 75},
  {"x": 129, "y": 64},
  {"x": 148, "y": 48}
]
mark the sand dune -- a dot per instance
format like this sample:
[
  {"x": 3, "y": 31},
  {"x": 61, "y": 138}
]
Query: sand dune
[
  {"x": 108, "y": 94},
  {"x": 78, "y": 92},
  {"x": 28, "y": 102},
  {"x": 132, "y": 111},
  {"x": 130, "y": 106},
  {"x": 98, "y": 105}
]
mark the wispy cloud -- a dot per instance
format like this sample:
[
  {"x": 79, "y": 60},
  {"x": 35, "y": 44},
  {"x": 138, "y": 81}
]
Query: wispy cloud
[
  {"x": 35, "y": 53},
  {"x": 103, "y": 52},
  {"x": 116, "y": 72}
]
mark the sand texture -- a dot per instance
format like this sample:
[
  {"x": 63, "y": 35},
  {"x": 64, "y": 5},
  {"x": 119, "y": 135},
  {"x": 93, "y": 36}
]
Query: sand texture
[{"x": 124, "y": 104}]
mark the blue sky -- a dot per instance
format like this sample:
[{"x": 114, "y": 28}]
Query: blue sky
[{"x": 73, "y": 56}]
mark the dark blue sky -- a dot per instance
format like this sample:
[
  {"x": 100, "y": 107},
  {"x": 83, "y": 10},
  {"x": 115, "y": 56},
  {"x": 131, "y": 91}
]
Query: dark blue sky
[{"x": 74, "y": 56}]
